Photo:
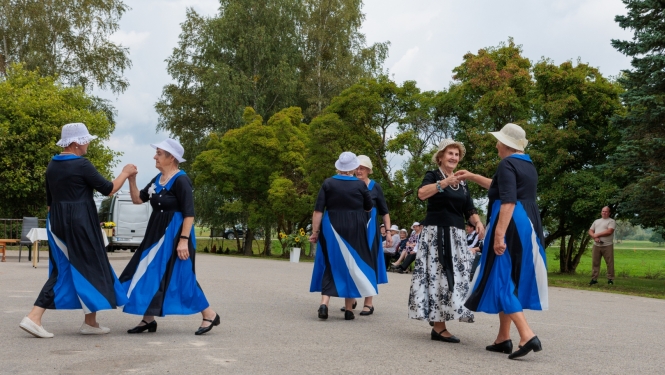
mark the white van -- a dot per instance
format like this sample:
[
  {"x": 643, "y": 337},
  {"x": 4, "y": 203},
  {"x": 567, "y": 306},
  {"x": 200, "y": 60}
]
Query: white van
[{"x": 130, "y": 219}]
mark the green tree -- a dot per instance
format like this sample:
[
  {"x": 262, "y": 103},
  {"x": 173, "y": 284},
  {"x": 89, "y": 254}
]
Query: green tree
[
  {"x": 33, "y": 110},
  {"x": 334, "y": 51},
  {"x": 657, "y": 236},
  {"x": 639, "y": 159},
  {"x": 259, "y": 171},
  {"x": 623, "y": 230},
  {"x": 65, "y": 38}
]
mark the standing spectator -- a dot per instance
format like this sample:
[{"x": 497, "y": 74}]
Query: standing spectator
[
  {"x": 602, "y": 232},
  {"x": 390, "y": 252},
  {"x": 440, "y": 282},
  {"x": 409, "y": 255},
  {"x": 343, "y": 265}
]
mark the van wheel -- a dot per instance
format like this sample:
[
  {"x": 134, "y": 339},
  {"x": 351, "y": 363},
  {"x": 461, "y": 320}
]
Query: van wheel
[
  {"x": 133, "y": 249},
  {"x": 231, "y": 236},
  {"x": 109, "y": 249}
]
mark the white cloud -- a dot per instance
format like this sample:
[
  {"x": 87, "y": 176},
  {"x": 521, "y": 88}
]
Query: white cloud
[
  {"x": 404, "y": 65},
  {"x": 131, "y": 39}
]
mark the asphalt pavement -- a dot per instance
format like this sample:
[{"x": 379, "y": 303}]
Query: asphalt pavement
[{"x": 270, "y": 326}]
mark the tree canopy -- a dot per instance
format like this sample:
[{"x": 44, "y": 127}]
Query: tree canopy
[
  {"x": 639, "y": 159},
  {"x": 33, "y": 110},
  {"x": 65, "y": 38}
]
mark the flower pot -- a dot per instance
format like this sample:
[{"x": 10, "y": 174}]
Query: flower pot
[
  {"x": 295, "y": 255},
  {"x": 109, "y": 232}
]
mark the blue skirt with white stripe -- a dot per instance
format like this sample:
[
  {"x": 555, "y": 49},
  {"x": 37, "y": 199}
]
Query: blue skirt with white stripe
[
  {"x": 343, "y": 264},
  {"x": 156, "y": 281},
  {"x": 80, "y": 275},
  {"x": 517, "y": 279}
]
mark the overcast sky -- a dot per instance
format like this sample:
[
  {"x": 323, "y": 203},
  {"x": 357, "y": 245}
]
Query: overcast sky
[{"x": 428, "y": 39}]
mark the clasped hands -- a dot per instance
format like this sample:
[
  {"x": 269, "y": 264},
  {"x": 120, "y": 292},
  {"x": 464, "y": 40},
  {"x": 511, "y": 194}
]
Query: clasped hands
[{"x": 131, "y": 170}]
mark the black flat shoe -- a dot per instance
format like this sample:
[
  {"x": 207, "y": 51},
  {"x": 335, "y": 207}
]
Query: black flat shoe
[
  {"x": 370, "y": 312},
  {"x": 533, "y": 344},
  {"x": 437, "y": 337},
  {"x": 323, "y": 312},
  {"x": 348, "y": 315},
  {"x": 150, "y": 327},
  {"x": 502, "y": 347},
  {"x": 352, "y": 307},
  {"x": 214, "y": 322}
]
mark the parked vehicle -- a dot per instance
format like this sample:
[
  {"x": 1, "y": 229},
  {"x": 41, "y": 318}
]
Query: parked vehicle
[{"x": 131, "y": 221}]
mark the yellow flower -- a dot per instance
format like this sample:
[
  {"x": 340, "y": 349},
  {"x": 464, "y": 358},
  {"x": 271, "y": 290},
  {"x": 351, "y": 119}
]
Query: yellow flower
[
  {"x": 302, "y": 232},
  {"x": 297, "y": 239}
]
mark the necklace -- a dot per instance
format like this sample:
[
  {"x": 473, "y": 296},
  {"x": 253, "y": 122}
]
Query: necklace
[
  {"x": 456, "y": 187},
  {"x": 169, "y": 178}
]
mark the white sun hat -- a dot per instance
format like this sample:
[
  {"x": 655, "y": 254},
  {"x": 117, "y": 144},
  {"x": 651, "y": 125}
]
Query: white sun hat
[
  {"x": 171, "y": 146},
  {"x": 365, "y": 161},
  {"x": 76, "y": 132},
  {"x": 395, "y": 228},
  {"x": 445, "y": 144},
  {"x": 513, "y": 136},
  {"x": 347, "y": 162},
  {"x": 414, "y": 225}
]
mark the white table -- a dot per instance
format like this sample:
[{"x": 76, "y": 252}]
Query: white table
[{"x": 39, "y": 234}]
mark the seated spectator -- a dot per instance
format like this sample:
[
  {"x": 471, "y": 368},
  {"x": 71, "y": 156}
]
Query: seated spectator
[
  {"x": 390, "y": 253},
  {"x": 403, "y": 239},
  {"x": 409, "y": 255},
  {"x": 475, "y": 246},
  {"x": 383, "y": 232}
]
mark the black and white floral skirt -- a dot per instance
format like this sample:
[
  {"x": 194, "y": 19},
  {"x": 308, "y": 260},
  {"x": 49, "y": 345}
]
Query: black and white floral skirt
[{"x": 440, "y": 283}]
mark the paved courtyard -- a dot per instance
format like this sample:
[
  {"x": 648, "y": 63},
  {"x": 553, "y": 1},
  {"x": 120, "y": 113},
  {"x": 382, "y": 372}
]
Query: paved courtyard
[{"x": 269, "y": 326}]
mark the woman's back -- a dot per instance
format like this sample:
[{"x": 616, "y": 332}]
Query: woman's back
[{"x": 72, "y": 179}]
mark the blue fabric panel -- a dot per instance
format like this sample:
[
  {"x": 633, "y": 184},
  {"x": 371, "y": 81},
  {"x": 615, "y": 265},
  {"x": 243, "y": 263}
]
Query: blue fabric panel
[
  {"x": 148, "y": 285},
  {"x": 524, "y": 157},
  {"x": 90, "y": 296},
  {"x": 382, "y": 276},
  {"x": 345, "y": 178},
  {"x": 183, "y": 295},
  {"x": 344, "y": 284},
  {"x": 319, "y": 269},
  {"x": 65, "y": 293},
  {"x": 528, "y": 288},
  {"x": 168, "y": 185},
  {"x": 66, "y": 157}
]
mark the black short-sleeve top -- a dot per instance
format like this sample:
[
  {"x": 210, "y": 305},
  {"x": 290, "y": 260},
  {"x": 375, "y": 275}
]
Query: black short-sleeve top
[
  {"x": 452, "y": 208},
  {"x": 378, "y": 200},
  {"x": 71, "y": 178},
  {"x": 176, "y": 196},
  {"x": 516, "y": 179},
  {"x": 343, "y": 193}
]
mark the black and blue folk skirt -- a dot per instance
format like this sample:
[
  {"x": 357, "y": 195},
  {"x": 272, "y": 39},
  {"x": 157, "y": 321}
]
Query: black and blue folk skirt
[
  {"x": 517, "y": 279},
  {"x": 80, "y": 275},
  {"x": 343, "y": 265},
  {"x": 156, "y": 281},
  {"x": 376, "y": 247}
]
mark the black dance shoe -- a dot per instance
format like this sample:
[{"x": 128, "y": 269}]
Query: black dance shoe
[
  {"x": 323, "y": 312},
  {"x": 370, "y": 312},
  {"x": 610, "y": 282},
  {"x": 150, "y": 327},
  {"x": 348, "y": 315},
  {"x": 593, "y": 281},
  {"x": 437, "y": 337},
  {"x": 352, "y": 307},
  {"x": 502, "y": 347},
  {"x": 214, "y": 322},
  {"x": 533, "y": 344}
]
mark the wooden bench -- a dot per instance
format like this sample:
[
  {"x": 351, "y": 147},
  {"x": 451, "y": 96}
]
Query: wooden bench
[{"x": 3, "y": 246}]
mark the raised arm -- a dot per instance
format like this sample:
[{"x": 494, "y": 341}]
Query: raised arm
[
  {"x": 134, "y": 191},
  {"x": 465, "y": 175}
]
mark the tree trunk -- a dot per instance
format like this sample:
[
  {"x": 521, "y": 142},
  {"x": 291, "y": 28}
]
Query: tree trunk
[
  {"x": 562, "y": 254},
  {"x": 247, "y": 245}
]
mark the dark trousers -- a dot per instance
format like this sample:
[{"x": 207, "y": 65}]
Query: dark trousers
[
  {"x": 407, "y": 261},
  {"x": 389, "y": 258}
]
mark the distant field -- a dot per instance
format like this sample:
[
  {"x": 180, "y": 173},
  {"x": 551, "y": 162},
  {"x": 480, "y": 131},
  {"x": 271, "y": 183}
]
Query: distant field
[{"x": 257, "y": 246}]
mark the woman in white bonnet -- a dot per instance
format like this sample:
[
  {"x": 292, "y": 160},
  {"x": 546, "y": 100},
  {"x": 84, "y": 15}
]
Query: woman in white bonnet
[
  {"x": 80, "y": 276},
  {"x": 160, "y": 278}
]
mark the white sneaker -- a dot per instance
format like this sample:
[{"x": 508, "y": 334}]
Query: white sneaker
[
  {"x": 33, "y": 329},
  {"x": 90, "y": 330}
]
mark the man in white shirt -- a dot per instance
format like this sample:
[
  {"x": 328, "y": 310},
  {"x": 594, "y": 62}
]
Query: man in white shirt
[{"x": 602, "y": 232}]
